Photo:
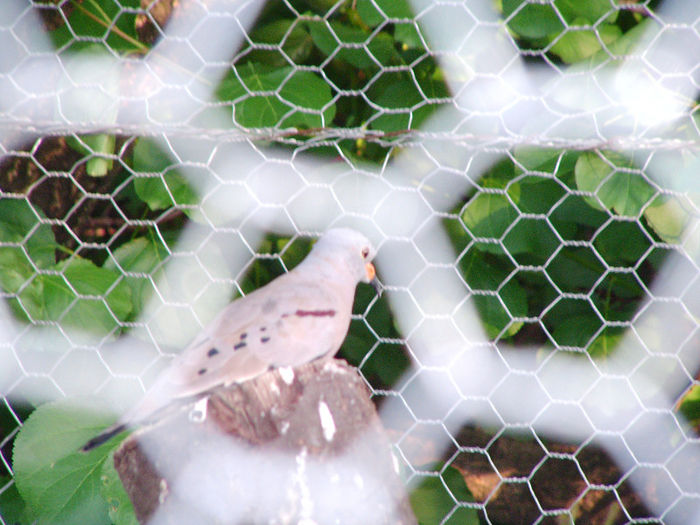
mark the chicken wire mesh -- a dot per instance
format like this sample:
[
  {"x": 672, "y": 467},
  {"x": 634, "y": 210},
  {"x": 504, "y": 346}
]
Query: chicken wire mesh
[{"x": 524, "y": 168}]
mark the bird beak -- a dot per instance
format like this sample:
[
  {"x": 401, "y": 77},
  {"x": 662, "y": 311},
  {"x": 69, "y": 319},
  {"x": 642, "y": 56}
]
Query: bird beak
[
  {"x": 372, "y": 278},
  {"x": 370, "y": 271}
]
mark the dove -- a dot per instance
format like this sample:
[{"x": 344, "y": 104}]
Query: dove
[{"x": 300, "y": 316}]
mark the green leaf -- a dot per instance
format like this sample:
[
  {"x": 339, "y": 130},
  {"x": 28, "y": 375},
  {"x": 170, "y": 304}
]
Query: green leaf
[
  {"x": 382, "y": 49},
  {"x": 52, "y": 297},
  {"x": 537, "y": 159},
  {"x": 532, "y": 240},
  {"x": 330, "y": 37},
  {"x": 13, "y": 509},
  {"x": 590, "y": 10},
  {"x": 536, "y": 194},
  {"x": 499, "y": 176},
  {"x": 432, "y": 501},
  {"x": 489, "y": 215},
  {"x": 95, "y": 20},
  {"x": 142, "y": 255},
  {"x": 88, "y": 279},
  {"x": 617, "y": 296},
  {"x": 20, "y": 223},
  {"x": 690, "y": 405},
  {"x": 606, "y": 343},
  {"x": 456, "y": 485},
  {"x": 302, "y": 99},
  {"x": 590, "y": 171},
  {"x": 297, "y": 45},
  {"x": 82, "y": 24},
  {"x": 577, "y": 330},
  {"x": 102, "y": 147},
  {"x": 374, "y": 12},
  {"x": 533, "y": 20},
  {"x": 406, "y": 100},
  {"x": 384, "y": 366},
  {"x": 630, "y": 41},
  {"x": 575, "y": 269},
  {"x": 482, "y": 271},
  {"x": 324, "y": 38},
  {"x": 626, "y": 193},
  {"x": 15, "y": 269},
  {"x": 35, "y": 246},
  {"x": 164, "y": 191},
  {"x": 573, "y": 217},
  {"x": 149, "y": 157},
  {"x": 120, "y": 508},
  {"x": 59, "y": 484},
  {"x": 618, "y": 234},
  {"x": 394, "y": 8},
  {"x": 431, "y": 82},
  {"x": 126, "y": 23},
  {"x": 168, "y": 188},
  {"x": 575, "y": 46},
  {"x": 572, "y": 322},
  {"x": 485, "y": 273},
  {"x": 495, "y": 316},
  {"x": 321, "y": 6},
  {"x": 408, "y": 35},
  {"x": 98, "y": 148},
  {"x": 668, "y": 218},
  {"x": 309, "y": 93},
  {"x": 400, "y": 94}
]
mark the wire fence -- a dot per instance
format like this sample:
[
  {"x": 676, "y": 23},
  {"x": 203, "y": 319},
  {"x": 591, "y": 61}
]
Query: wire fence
[{"x": 526, "y": 169}]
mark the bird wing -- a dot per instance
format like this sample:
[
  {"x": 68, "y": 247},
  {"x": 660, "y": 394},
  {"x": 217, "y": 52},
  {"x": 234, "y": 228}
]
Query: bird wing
[{"x": 285, "y": 323}]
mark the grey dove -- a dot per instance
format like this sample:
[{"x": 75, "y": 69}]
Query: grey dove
[{"x": 299, "y": 316}]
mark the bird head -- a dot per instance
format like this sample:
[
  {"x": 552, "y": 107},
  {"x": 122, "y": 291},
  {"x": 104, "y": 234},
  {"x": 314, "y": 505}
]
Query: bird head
[{"x": 351, "y": 249}]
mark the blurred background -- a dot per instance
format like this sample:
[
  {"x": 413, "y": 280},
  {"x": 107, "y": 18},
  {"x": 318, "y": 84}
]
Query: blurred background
[{"x": 527, "y": 171}]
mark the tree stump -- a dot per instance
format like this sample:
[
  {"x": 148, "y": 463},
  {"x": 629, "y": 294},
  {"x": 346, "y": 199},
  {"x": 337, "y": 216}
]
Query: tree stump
[{"x": 302, "y": 446}]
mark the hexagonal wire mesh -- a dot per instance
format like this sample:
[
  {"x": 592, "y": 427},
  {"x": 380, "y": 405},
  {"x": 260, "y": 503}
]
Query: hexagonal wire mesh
[{"x": 525, "y": 169}]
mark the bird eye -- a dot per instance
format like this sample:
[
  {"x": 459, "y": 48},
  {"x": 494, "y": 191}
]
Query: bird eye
[{"x": 365, "y": 252}]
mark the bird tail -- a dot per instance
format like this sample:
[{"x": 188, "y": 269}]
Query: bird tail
[{"x": 104, "y": 436}]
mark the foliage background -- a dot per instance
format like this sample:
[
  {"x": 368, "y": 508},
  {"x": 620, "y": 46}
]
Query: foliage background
[{"x": 557, "y": 247}]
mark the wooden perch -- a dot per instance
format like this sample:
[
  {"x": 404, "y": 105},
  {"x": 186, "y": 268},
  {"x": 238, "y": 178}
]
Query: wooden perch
[{"x": 301, "y": 445}]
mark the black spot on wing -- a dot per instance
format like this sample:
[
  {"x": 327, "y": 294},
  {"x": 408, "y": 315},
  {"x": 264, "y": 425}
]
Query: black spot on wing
[
  {"x": 202, "y": 371},
  {"x": 264, "y": 339},
  {"x": 212, "y": 352},
  {"x": 314, "y": 313},
  {"x": 244, "y": 335},
  {"x": 240, "y": 345}
]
